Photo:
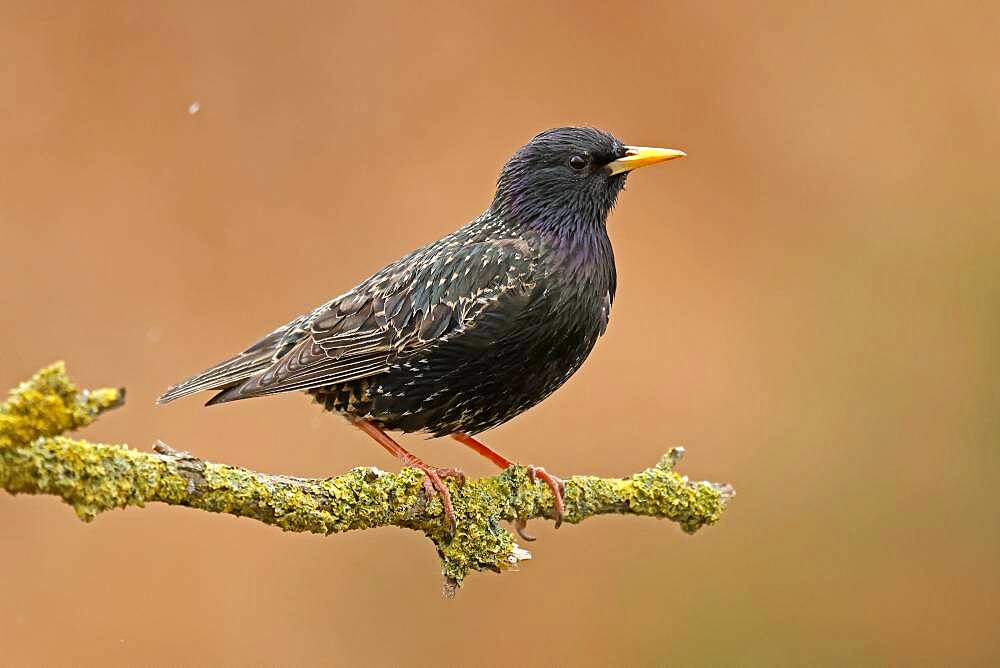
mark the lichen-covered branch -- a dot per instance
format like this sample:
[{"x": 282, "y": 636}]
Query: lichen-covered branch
[{"x": 35, "y": 458}]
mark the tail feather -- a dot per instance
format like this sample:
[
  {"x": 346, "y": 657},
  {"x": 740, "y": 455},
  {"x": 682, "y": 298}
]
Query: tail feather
[
  {"x": 231, "y": 393},
  {"x": 221, "y": 376},
  {"x": 237, "y": 369}
]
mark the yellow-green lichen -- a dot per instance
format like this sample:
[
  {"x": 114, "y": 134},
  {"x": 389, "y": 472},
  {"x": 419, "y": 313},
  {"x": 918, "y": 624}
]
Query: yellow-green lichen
[
  {"x": 49, "y": 404},
  {"x": 90, "y": 477}
]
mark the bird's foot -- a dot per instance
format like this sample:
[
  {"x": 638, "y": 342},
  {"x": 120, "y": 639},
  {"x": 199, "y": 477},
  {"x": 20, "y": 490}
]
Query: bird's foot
[
  {"x": 434, "y": 485},
  {"x": 556, "y": 485},
  {"x": 536, "y": 473}
]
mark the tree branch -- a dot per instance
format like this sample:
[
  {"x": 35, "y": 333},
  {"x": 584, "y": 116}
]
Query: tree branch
[{"x": 36, "y": 459}]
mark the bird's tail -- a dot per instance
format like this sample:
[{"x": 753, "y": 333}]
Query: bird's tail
[
  {"x": 223, "y": 375},
  {"x": 235, "y": 370}
]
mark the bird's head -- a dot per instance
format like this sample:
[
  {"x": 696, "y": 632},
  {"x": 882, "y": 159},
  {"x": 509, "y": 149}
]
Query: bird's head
[{"x": 569, "y": 178}]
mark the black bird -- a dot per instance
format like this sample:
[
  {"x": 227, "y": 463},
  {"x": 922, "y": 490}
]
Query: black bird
[{"x": 469, "y": 331}]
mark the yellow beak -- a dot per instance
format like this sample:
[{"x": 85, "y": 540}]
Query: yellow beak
[{"x": 640, "y": 156}]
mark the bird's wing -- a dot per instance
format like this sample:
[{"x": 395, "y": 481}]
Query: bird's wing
[{"x": 422, "y": 299}]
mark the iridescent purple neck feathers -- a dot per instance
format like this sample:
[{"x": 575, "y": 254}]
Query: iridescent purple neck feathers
[{"x": 558, "y": 187}]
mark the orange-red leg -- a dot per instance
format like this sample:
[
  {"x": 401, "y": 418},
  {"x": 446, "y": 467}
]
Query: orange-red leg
[
  {"x": 556, "y": 485},
  {"x": 432, "y": 476},
  {"x": 484, "y": 450}
]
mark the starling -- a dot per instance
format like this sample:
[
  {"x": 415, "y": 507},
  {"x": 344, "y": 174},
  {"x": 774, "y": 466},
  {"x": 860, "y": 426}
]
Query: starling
[{"x": 467, "y": 332}]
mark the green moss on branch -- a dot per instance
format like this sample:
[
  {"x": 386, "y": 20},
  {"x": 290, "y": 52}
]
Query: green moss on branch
[{"x": 36, "y": 459}]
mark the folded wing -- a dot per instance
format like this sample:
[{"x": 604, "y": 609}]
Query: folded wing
[{"x": 422, "y": 299}]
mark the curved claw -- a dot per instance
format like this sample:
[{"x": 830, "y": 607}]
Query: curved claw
[
  {"x": 519, "y": 526},
  {"x": 556, "y": 485}
]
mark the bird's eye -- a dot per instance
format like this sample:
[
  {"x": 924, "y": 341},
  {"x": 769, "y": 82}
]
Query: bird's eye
[{"x": 578, "y": 162}]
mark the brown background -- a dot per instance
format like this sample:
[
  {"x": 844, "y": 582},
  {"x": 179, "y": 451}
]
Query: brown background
[{"x": 809, "y": 303}]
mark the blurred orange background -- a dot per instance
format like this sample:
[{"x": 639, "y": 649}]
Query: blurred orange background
[{"x": 808, "y": 303}]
